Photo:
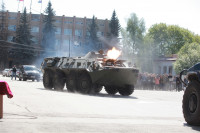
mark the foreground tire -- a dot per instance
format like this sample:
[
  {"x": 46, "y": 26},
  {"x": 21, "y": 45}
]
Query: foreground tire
[
  {"x": 128, "y": 90},
  {"x": 59, "y": 81},
  {"x": 71, "y": 82},
  {"x": 84, "y": 83},
  {"x": 111, "y": 90},
  {"x": 48, "y": 79},
  {"x": 191, "y": 103}
]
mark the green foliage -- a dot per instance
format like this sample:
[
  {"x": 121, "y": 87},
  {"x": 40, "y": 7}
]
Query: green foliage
[
  {"x": 136, "y": 46},
  {"x": 93, "y": 29},
  {"x": 188, "y": 56},
  {"x": 23, "y": 34},
  {"x": 114, "y": 25},
  {"x": 48, "y": 40},
  {"x": 3, "y": 29},
  {"x": 136, "y": 30},
  {"x": 169, "y": 39},
  {"x": 23, "y": 37}
]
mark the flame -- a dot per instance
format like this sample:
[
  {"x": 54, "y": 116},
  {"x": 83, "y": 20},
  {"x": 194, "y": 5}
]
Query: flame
[{"x": 114, "y": 53}]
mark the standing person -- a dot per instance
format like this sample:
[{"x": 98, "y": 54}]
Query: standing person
[
  {"x": 14, "y": 70},
  {"x": 157, "y": 82}
]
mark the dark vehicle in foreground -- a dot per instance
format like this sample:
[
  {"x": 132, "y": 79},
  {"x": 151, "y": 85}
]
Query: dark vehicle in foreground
[
  {"x": 89, "y": 74},
  {"x": 28, "y": 72},
  {"x": 191, "y": 97}
]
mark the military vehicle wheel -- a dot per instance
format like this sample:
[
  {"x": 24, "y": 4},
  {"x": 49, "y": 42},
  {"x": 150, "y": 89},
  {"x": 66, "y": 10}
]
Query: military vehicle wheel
[
  {"x": 191, "y": 103},
  {"x": 128, "y": 90},
  {"x": 59, "y": 81},
  {"x": 84, "y": 84},
  {"x": 71, "y": 82},
  {"x": 111, "y": 90},
  {"x": 97, "y": 88},
  {"x": 47, "y": 79}
]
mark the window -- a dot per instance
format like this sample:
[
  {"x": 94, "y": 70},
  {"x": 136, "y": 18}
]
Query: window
[
  {"x": 68, "y": 22},
  {"x": 101, "y": 24},
  {"x": 10, "y": 38},
  {"x": 66, "y": 42},
  {"x": 58, "y": 21},
  {"x": 35, "y": 40},
  {"x": 57, "y": 42},
  {"x": 12, "y": 27},
  {"x": 35, "y": 17},
  {"x": 68, "y": 31},
  {"x": 164, "y": 69},
  {"x": 35, "y": 29},
  {"x": 79, "y": 22},
  {"x": 78, "y": 33},
  {"x": 58, "y": 30},
  {"x": 99, "y": 34},
  {"x": 13, "y": 18},
  {"x": 170, "y": 69}
]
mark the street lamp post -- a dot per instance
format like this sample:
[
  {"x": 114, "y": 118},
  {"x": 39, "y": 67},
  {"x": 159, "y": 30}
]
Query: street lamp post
[{"x": 69, "y": 46}]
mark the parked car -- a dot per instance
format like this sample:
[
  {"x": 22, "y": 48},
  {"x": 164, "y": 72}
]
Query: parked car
[
  {"x": 9, "y": 73},
  {"x": 17, "y": 73},
  {"x": 5, "y": 71},
  {"x": 29, "y": 72}
]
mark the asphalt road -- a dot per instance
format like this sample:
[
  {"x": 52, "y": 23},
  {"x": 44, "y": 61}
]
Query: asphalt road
[{"x": 34, "y": 109}]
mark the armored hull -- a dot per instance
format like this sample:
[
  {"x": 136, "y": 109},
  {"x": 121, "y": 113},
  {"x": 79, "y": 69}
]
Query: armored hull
[{"x": 89, "y": 74}]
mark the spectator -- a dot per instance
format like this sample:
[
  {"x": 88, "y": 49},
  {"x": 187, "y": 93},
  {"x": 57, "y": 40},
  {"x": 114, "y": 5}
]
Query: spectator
[{"x": 14, "y": 69}]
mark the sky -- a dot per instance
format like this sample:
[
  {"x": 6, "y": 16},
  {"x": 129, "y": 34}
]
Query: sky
[{"x": 184, "y": 13}]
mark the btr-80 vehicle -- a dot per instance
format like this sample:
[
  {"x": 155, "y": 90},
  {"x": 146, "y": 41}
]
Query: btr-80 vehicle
[
  {"x": 89, "y": 74},
  {"x": 191, "y": 98}
]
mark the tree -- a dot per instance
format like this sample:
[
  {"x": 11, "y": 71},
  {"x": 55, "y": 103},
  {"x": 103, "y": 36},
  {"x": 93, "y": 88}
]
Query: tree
[
  {"x": 93, "y": 28},
  {"x": 136, "y": 30},
  {"x": 134, "y": 47},
  {"x": 188, "y": 56},
  {"x": 23, "y": 34},
  {"x": 48, "y": 40},
  {"x": 114, "y": 25},
  {"x": 168, "y": 39},
  {"x": 3, "y": 30},
  {"x": 24, "y": 51}
]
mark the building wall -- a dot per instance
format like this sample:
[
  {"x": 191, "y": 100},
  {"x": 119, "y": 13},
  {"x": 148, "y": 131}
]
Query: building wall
[
  {"x": 69, "y": 29},
  {"x": 164, "y": 67}
]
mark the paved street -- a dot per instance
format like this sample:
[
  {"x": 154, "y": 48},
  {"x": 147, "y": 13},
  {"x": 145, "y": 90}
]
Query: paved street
[{"x": 34, "y": 109}]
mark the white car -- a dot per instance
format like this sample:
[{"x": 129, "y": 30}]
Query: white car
[{"x": 5, "y": 72}]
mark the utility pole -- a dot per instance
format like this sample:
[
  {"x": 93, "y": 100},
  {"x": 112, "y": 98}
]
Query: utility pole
[{"x": 69, "y": 46}]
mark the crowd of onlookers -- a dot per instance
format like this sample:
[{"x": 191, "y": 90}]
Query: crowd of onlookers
[{"x": 151, "y": 81}]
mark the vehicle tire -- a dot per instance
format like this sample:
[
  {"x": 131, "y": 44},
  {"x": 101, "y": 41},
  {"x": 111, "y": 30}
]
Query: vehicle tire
[
  {"x": 128, "y": 90},
  {"x": 24, "y": 79},
  {"x": 33, "y": 80},
  {"x": 84, "y": 83},
  {"x": 59, "y": 81},
  {"x": 48, "y": 79},
  {"x": 191, "y": 103},
  {"x": 111, "y": 90},
  {"x": 71, "y": 82},
  {"x": 98, "y": 88}
]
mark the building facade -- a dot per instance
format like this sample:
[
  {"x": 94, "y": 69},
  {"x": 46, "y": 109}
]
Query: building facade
[
  {"x": 164, "y": 65},
  {"x": 69, "y": 30}
]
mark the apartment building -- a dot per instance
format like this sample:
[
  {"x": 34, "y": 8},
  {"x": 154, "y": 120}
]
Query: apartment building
[{"x": 70, "y": 31}]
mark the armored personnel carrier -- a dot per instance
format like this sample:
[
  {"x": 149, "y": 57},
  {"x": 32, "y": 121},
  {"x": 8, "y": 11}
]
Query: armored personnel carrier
[
  {"x": 89, "y": 74},
  {"x": 191, "y": 98}
]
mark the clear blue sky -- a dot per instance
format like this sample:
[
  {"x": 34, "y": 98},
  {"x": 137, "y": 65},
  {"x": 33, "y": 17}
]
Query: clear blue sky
[{"x": 184, "y": 13}]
